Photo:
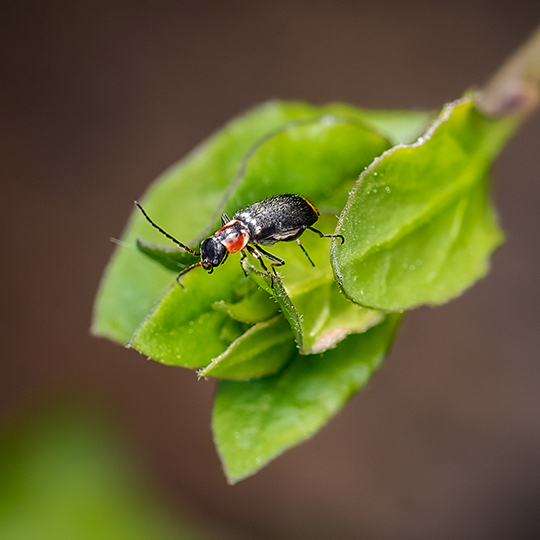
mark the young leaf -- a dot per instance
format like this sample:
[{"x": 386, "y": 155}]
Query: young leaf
[
  {"x": 252, "y": 308},
  {"x": 250, "y": 305},
  {"x": 172, "y": 258},
  {"x": 261, "y": 350},
  {"x": 255, "y": 421},
  {"x": 419, "y": 222},
  {"x": 328, "y": 317}
]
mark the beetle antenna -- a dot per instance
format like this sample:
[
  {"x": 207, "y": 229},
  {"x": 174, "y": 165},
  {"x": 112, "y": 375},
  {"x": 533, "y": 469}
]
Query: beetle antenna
[
  {"x": 179, "y": 244},
  {"x": 185, "y": 271},
  {"x": 119, "y": 242}
]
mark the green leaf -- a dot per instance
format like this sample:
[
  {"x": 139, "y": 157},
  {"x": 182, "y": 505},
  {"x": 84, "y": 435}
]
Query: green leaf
[
  {"x": 172, "y": 258},
  {"x": 255, "y": 421},
  {"x": 325, "y": 328},
  {"x": 419, "y": 224},
  {"x": 319, "y": 158},
  {"x": 261, "y": 350},
  {"x": 319, "y": 314}
]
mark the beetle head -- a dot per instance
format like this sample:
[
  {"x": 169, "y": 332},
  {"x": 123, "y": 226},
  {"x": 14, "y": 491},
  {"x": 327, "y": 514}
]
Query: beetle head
[{"x": 212, "y": 253}]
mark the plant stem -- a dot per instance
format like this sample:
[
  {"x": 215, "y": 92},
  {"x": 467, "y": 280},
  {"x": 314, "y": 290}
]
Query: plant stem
[{"x": 515, "y": 89}]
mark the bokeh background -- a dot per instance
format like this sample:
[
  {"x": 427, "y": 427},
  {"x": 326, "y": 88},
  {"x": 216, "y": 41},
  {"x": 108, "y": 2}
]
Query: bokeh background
[{"x": 98, "y": 98}]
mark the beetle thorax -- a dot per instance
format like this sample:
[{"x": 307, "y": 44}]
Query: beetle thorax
[{"x": 234, "y": 236}]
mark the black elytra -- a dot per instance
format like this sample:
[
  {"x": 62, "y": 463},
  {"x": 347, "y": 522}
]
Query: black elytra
[{"x": 282, "y": 218}]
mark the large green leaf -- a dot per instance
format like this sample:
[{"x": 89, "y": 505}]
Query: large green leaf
[
  {"x": 320, "y": 158},
  {"x": 419, "y": 224},
  {"x": 255, "y": 421}
]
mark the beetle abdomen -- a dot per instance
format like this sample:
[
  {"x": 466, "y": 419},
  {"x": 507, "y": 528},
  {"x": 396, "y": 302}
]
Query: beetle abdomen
[{"x": 280, "y": 218}]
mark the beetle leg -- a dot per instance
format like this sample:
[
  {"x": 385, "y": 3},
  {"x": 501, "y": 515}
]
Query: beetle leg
[
  {"x": 322, "y": 235},
  {"x": 225, "y": 219},
  {"x": 276, "y": 261},
  {"x": 258, "y": 256},
  {"x": 305, "y": 252}
]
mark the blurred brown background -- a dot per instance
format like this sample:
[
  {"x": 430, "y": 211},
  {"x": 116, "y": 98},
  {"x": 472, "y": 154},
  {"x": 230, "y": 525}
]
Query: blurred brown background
[{"x": 97, "y": 99}]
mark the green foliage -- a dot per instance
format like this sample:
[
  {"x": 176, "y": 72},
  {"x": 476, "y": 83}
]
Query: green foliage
[
  {"x": 418, "y": 228},
  {"x": 419, "y": 221}
]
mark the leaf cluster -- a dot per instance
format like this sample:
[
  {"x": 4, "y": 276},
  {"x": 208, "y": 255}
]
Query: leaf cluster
[{"x": 412, "y": 203}]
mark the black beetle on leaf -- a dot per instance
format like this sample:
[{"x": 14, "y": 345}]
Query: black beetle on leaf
[{"x": 282, "y": 218}]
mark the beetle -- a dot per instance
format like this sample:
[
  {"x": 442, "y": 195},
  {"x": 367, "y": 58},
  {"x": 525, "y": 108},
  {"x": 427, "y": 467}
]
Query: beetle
[{"x": 282, "y": 218}]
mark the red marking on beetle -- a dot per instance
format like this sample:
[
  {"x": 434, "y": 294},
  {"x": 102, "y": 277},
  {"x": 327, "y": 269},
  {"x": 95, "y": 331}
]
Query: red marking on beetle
[
  {"x": 235, "y": 242},
  {"x": 226, "y": 226}
]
